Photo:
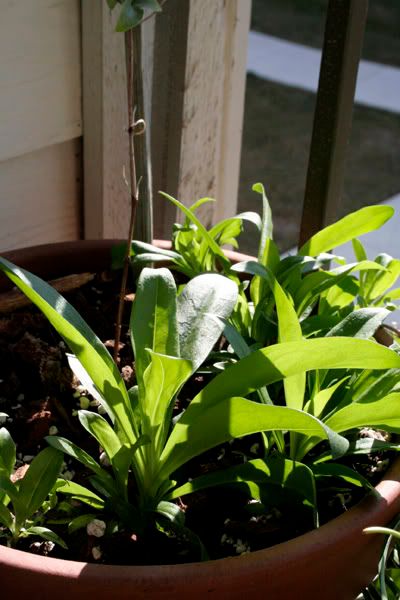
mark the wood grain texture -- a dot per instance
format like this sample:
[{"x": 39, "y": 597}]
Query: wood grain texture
[
  {"x": 105, "y": 116},
  {"x": 105, "y": 142},
  {"x": 40, "y": 196},
  {"x": 198, "y": 98},
  {"x": 40, "y": 85}
]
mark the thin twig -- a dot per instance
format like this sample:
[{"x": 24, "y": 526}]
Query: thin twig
[{"x": 129, "y": 56}]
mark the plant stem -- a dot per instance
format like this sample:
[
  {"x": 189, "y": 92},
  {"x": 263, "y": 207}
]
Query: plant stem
[{"x": 133, "y": 187}]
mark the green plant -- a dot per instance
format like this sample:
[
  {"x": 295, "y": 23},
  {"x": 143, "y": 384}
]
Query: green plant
[
  {"x": 172, "y": 336},
  {"x": 387, "y": 584},
  {"x": 29, "y": 494}
]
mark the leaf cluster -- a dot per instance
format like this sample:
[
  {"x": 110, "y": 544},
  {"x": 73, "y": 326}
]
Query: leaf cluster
[{"x": 301, "y": 371}]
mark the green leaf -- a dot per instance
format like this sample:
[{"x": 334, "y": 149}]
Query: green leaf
[
  {"x": 314, "y": 284},
  {"x": 6, "y": 517},
  {"x": 212, "y": 245},
  {"x": 258, "y": 475},
  {"x": 46, "y": 534},
  {"x": 346, "y": 229},
  {"x": 384, "y": 280},
  {"x": 267, "y": 227},
  {"x": 80, "y": 522},
  {"x": 359, "y": 250},
  {"x": 203, "y": 306},
  {"x": 38, "y": 482},
  {"x": 317, "y": 405},
  {"x": 227, "y": 230},
  {"x": 382, "y": 414},
  {"x": 7, "y": 451},
  {"x": 268, "y": 254},
  {"x": 369, "y": 444},
  {"x": 86, "y": 346},
  {"x": 139, "y": 248},
  {"x": 79, "y": 492},
  {"x": 7, "y": 486},
  {"x": 346, "y": 473},
  {"x": 119, "y": 455},
  {"x": 242, "y": 349},
  {"x": 130, "y": 16},
  {"x": 153, "y": 321},
  {"x": 289, "y": 328},
  {"x": 276, "y": 362},
  {"x": 360, "y": 323},
  {"x": 64, "y": 445},
  {"x": 98, "y": 427},
  {"x": 163, "y": 379},
  {"x": 112, "y": 4},
  {"x": 204, "y": 427},
  {"x": 172, "y": 512}
]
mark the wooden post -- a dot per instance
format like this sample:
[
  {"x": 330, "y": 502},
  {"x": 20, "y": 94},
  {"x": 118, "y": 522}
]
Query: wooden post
[
  {"x": 196, "y": 82},
  {"x": 105, "y": 139},
  {"x": 199, "y": 77},
  {"x": 343, "y": 39}
]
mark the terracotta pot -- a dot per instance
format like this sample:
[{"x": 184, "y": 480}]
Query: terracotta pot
[{"x": 333, "y": 562}]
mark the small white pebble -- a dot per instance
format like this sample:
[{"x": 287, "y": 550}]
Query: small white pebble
[
  {"x": 20, "y": 397},
  {"x": 16, "y": 406},
  {"x": 84, "y": 402},
  {"x": 224, "y": 537},
  {"x": 221, "y": 454},
  {"x": 53, "y": 430},
  {"x": 104, "y": 460},
  {"x": 241, "y": 547},
  {"x": 3, "y": 418},
  {"x": 96, "y": 552},
  {"x": 227, "y": 521},
  {"x": 68, "y": 475},
  {"x": 94, "y": 403},
  {"x": 28, "y": 458},
  {"x": 96, "y": 528},
  {"x": 101, "y": 410}
]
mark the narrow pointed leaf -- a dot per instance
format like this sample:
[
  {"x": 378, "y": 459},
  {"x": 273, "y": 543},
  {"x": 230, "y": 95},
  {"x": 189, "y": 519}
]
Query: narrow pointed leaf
[
  {"x": 289, "y": 328},
  {"x": 6, "y": 517},
  {"x": 7, "y": 451},
  {"x": 38, "y": 482},
  {"x": 79, "y": 492},
  {"x": 343, "y": 472},
  {"x": 64, "y": 445},
  {"x": 206, "y": 427},
  {"x": 163, "y": 378},
  {"x": 276, "y": 362},
  {"x": 153, "y": 321},
  {"x": 86, "y": 346},
  {"x": 352, "y": 226},
  {"x": 382, "y": 414},
  {"x": 213, "y": 246},
  {"x": 46, "y": 534},
  {"x": 258, "y": 475},
  {"x": 360, "y": 323}
]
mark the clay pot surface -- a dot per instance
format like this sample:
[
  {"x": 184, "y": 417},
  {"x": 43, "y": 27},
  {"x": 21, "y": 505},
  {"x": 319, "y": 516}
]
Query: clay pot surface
[{"x": 334, "y": 562}]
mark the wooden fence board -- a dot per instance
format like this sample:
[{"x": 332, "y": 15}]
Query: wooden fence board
[
  {"x": 40, "y": 195},
  {"x": 40, "y": 86}
]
